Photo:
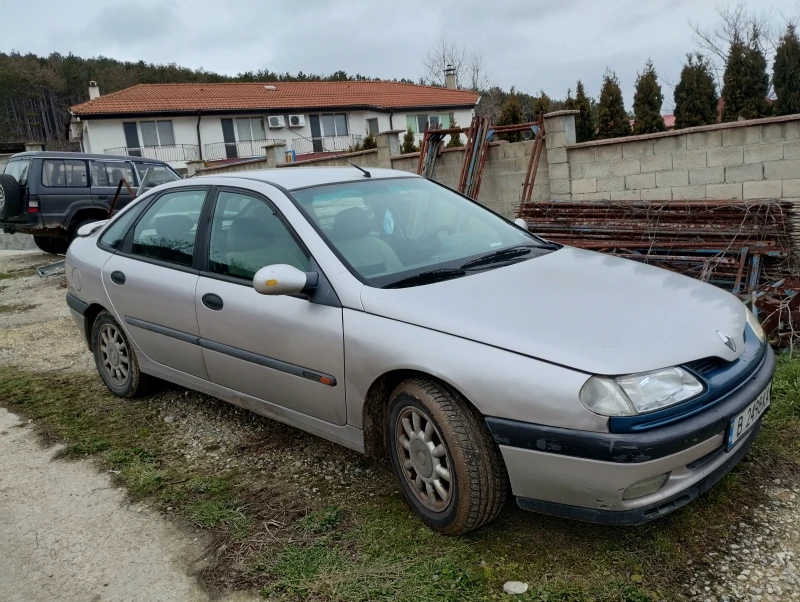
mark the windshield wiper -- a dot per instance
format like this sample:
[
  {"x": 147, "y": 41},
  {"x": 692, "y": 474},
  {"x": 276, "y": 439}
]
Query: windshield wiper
[
  {"x": 428, "y": 277},
  {"x": 504, "y": 255}
]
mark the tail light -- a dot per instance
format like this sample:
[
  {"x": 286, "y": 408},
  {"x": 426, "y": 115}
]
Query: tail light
[{"x": 33, "y": 203}]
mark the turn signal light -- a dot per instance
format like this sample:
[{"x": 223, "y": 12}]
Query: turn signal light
[{"x": 646, "y": 487}]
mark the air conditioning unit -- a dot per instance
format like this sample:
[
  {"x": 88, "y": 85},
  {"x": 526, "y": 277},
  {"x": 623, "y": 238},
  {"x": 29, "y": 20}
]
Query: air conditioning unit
[
  {"x": 276, "y": 122},
  {"x": 297, "y": 121}
]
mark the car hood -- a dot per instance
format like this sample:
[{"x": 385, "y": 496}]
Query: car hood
[{"x": 589, "y": 311}]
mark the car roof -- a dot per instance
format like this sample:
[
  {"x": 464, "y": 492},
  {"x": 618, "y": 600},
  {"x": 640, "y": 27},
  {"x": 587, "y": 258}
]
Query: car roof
[
  {"x": 293, "y": 178},
  {"x": 68, "y": 155}
]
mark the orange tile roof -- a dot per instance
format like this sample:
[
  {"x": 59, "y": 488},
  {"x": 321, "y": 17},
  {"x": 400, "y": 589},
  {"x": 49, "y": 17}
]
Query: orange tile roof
[{"x": 176, "y": 98}]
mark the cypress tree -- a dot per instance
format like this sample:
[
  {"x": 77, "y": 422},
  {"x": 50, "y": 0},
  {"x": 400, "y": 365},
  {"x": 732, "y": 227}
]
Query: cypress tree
[
  {"x": 584, "y": 121},
  {"x": 647, "y": 102},
  {"x": 613, "y": 121},
  {"x": 786, "y": 73},
  {"x": 541, "y": 104},
  {"x": 455, "y": 139},
  {"x": 409, "y": 143},
  {"x": 745, "y": 83},
  {"x": 696, "y": 97},
  {"x": 511, "y": 114}
]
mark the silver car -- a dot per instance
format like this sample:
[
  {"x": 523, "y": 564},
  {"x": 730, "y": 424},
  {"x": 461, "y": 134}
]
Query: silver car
[{"x": 392, "y": 315}]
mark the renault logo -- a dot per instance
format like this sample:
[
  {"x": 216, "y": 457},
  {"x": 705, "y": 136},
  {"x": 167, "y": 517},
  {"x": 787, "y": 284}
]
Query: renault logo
[{"x": 729, "y": 342}]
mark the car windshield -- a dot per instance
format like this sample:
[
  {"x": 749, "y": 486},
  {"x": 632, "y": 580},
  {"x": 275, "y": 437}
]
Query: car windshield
[
  {"x": 411, "y": 230},
  {"x": 19, "y": 169}
]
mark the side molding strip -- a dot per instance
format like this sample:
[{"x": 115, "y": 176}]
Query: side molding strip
[{"x": 247, "y": 356}]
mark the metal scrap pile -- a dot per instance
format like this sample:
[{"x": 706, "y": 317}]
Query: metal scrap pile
[{"x": 742, "y": 246}]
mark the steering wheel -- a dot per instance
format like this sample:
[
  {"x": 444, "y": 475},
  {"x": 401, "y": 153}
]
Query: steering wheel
[{"x": 425, "y": 239}]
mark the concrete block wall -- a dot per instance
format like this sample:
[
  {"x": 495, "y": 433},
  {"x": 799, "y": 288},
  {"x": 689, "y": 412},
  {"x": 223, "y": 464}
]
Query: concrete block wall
[
  {"x": 16, "y": 242},
  {"x": 742, "y": 160}
]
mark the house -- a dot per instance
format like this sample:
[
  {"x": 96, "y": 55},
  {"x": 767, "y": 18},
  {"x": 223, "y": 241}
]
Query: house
[{"x": 221, "y": 122}]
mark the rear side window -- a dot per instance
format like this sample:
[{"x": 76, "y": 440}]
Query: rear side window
[
  {"x": 168, "y": 229},
  {"x": 64, "y": 173},
  {"x": 107, "y": 173},
  {"x": 152, "y": 175},
  {"x": 19, "y": 168}
]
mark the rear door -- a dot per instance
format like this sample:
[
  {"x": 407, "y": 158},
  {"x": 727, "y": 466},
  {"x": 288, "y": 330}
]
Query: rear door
[
  {"x": 106, "y": 176},
  {"x": 64, "y": 188},
  {"x": 151, "y": 281}
]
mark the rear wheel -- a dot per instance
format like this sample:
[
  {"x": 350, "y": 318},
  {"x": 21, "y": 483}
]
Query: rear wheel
[
  {"x": 11, "y": 197},
  {"x": 449, "y": 467},
  {"x": 49, "y": 244},
  {"x": 115, "y": 359}
]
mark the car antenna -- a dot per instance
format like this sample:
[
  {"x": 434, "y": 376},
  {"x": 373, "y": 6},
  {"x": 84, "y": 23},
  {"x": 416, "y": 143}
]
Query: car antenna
[{"x": 338, "y": 156}]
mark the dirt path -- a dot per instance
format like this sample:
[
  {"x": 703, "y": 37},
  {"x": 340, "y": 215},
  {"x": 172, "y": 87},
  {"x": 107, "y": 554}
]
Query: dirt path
[{"x": 66, "y": 532}]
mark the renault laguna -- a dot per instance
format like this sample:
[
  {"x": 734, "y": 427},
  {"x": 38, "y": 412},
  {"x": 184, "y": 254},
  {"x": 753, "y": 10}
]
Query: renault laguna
[{"x": 394, "y": 316}]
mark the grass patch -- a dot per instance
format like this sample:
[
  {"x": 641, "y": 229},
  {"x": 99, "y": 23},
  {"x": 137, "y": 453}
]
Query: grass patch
[
  {"x": 18, "y": 273},
  {"x": 16, "y": 308},
  {"x": 359, "y": 549}
]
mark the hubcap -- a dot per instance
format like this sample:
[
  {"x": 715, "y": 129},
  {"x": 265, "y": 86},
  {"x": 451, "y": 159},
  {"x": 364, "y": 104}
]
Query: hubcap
[
  {"x": 424, "y": 458},
  {"x": 2, "y": 197},
  {"x": 114, "y": 355}
]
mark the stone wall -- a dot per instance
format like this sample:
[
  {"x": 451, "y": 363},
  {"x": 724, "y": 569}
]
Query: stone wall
[
  {"x": 16, "y": 242},
  {"x": 741, "y": 160}
]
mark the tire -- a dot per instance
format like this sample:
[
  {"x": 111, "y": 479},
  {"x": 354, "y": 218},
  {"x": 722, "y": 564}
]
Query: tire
[
  {"x": 48, "y": 244},
  {"x": 445, "y": 438},
  {"x": 11, "y": 197},
  {"x": 115, "y": 359}
]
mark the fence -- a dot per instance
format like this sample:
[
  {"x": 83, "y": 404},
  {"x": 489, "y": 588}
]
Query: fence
[
  {"x": 244, "y": 149},
  {"x": 325, "y": 144},
  {"x": 175, "y": 152}
]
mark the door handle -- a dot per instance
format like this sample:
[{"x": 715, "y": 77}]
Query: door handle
[
  {"x": 102, "y": 198},
  {"x": 117, "y": 277},
  {"x": 212, "y": 301}
]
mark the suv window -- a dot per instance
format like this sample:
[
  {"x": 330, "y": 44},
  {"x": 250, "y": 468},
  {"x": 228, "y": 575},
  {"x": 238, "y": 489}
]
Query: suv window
[
  {"x": 168, "y": 229},
  {"x": 246, "y": 235},
  {"x": 153, "y": 174},
  {"x": 110, "y": 173},
  {"x": 19, "y": 168},
  {"x": 64, "y": 173}
]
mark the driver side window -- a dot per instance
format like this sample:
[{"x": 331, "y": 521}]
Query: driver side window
[{"x": 246, "y": 235}]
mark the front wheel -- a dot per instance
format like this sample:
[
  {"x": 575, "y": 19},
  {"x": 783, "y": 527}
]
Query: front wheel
[
  {"x": 449, "y": 467},
  {"x": 115, "y": 359}
]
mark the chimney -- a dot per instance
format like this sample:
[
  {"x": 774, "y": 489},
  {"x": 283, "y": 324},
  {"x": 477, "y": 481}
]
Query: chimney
[
  {"x": 450, "y": 77},
  {"x": 94, "y": 91}
]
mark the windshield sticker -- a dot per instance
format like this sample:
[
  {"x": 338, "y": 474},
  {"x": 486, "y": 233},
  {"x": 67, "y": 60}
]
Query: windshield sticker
[{"x": 388, "y": 222}]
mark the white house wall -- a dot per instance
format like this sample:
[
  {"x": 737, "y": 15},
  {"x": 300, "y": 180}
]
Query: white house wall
[{"x": 103, "y": 134}]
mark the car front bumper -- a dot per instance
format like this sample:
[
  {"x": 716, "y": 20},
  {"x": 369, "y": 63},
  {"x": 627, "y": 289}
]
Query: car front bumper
[{"x": 582, "y": 475}]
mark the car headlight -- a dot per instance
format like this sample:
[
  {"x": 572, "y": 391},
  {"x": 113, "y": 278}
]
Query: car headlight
[
  {"x": 639, "y": 393},
  {"x": 755, "y": 325}
]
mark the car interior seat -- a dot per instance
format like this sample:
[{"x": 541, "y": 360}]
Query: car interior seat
[{"x": 366, "y": 253}]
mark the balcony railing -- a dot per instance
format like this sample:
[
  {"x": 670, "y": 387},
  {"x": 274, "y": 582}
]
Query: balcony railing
[
  {"x": 245, "y": 149},
  {"x": 325, "y": 144},
  {"x": 174, "y": 152}
]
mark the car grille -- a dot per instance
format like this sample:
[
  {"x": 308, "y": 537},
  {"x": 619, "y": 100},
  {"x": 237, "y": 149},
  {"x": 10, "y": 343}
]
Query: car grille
[{"x": 706, "y": 365}]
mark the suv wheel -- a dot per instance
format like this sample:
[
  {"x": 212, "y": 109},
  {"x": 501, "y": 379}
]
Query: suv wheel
[
  {"x": 11, "y": 196},
  {"x": 448, "y": 465},
  {"x": 116, "y": 360},
  {"x": 49, "y": 244}
]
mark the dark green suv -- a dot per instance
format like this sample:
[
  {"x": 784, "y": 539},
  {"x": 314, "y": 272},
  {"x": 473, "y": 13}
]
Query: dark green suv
[{"x": 52, "y": 194}]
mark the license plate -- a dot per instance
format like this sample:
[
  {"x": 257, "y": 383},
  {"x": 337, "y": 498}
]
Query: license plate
[{"x": 741, "y": 424}]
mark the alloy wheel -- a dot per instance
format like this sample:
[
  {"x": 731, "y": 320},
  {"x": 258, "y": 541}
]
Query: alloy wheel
[
  {"x": 425, "y": 459},
  {"x": 114, "y": 355}
]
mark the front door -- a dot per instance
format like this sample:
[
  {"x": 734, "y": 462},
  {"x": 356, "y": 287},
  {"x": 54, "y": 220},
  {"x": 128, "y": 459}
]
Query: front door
[
  {"x": 106, "y": 176},
  {"x": 284, "y": 350},
  {"x": 151, "y": 283},
  {"x": 316, "y": 133},
  {"x": 132, "y": 139},
  {"x": 229, "y": 139}
]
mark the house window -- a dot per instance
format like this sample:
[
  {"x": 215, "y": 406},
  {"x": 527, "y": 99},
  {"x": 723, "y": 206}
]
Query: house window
[
  {"x": 157, "y": 133},
  {"x": 417, "y": 123},
  {"x": 250, "y": 128},
  {"x": 372, "y": 126},
  {"x": 334, "y": 124}
]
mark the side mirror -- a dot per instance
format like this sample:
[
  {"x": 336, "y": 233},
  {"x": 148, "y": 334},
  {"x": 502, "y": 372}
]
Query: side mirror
[
  {"x": 521, "y": 223},
  {"x": 283, "y": 279},
  {"x": 88, "y": 229}
]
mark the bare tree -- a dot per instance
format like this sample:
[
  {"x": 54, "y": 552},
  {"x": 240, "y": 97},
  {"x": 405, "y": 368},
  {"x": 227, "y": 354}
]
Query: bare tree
[
  {"x": 445, "y": 52},
  {"x": 478, "y": 76}
]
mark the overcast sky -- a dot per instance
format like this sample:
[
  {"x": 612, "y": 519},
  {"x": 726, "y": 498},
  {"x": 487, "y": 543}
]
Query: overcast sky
[{"x": 530, "y": 44}]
